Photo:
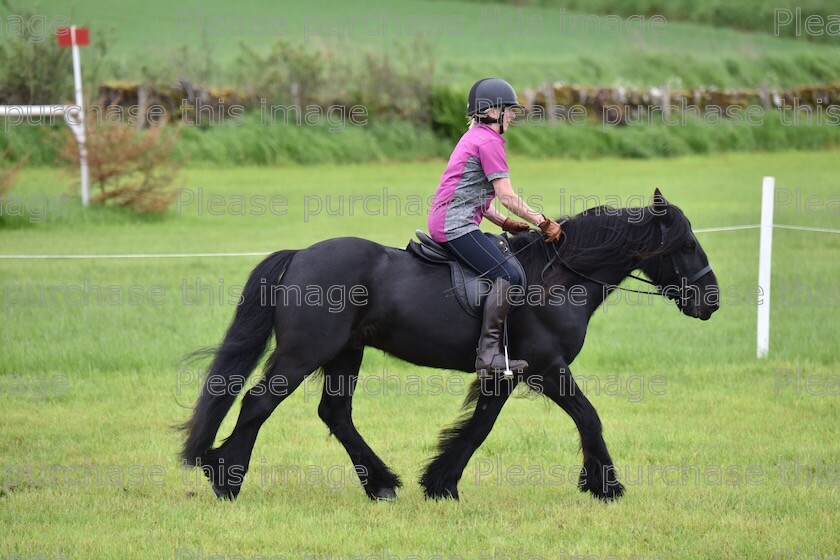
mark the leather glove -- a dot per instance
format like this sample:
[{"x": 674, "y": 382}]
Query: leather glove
[
  {"x": 513, "y": 226},
  {"x": 551, "y": 229}
]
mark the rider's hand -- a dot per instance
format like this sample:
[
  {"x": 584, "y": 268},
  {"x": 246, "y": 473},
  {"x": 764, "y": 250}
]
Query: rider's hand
[
  {"x": 551, "y": 229},
  {"x": 513, "y": 226}
]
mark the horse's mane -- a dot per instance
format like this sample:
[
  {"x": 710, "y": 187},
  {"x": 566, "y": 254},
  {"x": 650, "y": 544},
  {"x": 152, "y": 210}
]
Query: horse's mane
[{"x": 601, "y": 237}]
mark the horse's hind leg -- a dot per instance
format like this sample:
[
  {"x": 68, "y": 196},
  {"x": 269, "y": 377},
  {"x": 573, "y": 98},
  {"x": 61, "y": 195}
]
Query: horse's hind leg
[
  {"x": 226, "y": 465},
  {"x": 335, "y": 409}
]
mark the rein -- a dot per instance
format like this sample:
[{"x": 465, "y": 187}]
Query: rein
[
  {"x": 668, "y": 291},
  {"x": 671, "y": 292}
]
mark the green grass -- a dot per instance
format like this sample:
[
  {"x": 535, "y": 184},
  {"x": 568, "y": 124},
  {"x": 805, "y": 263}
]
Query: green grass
[
  {"x": 528, "y": 45},
  {"x": 387, "y": 140},
  {"x": 200, "y": 41},
  {"x": 721, "y": 407},
  {"x": 755, "y": 15}
]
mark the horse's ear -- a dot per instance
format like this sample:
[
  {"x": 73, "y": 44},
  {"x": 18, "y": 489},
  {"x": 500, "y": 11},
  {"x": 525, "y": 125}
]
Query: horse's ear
[{"x": 658, "y": 202}]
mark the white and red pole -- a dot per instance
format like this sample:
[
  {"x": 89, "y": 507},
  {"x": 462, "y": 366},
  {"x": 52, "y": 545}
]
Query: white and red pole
[{"x": 74, "y": 37}]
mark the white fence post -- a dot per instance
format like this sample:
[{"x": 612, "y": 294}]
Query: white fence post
[{"x": 765, "y": 254}]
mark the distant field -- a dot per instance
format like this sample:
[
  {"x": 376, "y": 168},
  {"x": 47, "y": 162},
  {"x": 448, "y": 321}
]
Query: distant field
[
  {"x": 526, "y": 44},
  {"x": 157, "y": 42},
  {"x": 117, "y": 388},
  {"x": 783, "y": 17}
]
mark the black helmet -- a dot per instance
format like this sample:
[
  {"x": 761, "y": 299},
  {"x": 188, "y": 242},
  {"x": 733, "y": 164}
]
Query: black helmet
[{"x": 488, "y": 93}]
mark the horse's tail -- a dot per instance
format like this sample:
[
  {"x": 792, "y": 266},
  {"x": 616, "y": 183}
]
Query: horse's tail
[{"x": 237, "y": 356}]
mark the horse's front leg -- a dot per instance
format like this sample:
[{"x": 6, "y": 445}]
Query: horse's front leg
[
  {"x": 458, "y": 443},
  {"x": 598, "y": 473}
]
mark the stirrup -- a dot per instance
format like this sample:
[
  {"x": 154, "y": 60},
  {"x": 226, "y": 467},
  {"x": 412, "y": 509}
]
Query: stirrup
[
  {"x": 484, "y": 373},
  {"x": 507, "y": 373}
]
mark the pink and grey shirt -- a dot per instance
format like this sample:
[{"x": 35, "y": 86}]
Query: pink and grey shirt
[{"x": 465, "y": 190}]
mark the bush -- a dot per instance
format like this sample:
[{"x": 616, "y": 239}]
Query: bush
[
  {"x": 33, "y": 72},
  {"x": 290, "y": 73},
  {"x": 449, "y": 108},
  {"x": 394, "y": 82},
  {"x": 128, "y": 167}
]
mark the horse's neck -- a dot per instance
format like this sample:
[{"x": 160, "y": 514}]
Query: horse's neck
[
  {"x": 610, "y": 275},
  {"x": 596, "y": 293}
]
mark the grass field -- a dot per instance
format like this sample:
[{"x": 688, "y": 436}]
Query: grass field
[
  {"x": 200, "y": 41},
  {"x": 751, "y": 446},
  {"x": 157, "y": 43},
  {"x": 528, "y": 44},
  {"x": 748, "y": 14}
]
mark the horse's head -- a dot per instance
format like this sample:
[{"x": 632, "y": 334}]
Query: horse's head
[{"x": 681, "y": 268}]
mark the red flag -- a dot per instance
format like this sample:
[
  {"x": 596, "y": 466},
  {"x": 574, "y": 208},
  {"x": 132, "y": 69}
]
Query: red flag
[{"x": 66, "y": 39}]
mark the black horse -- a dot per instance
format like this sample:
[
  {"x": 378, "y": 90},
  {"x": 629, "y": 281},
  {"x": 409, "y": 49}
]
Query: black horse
[{"x": 399, "y": 307}]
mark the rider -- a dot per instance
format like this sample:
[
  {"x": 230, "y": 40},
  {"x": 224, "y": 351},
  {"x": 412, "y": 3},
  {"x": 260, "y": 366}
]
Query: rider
[{"x": 477, "y": 172}]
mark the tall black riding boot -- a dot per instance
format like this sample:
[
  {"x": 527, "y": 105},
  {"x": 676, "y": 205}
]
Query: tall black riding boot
[{"x": 490, "y": 356}]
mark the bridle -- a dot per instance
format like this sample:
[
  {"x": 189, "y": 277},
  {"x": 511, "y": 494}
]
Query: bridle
[{"x": 671, "y": 292}]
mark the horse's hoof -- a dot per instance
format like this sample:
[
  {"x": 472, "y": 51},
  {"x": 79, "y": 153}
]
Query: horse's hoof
[
  {"x": 599, "y": 480},
  {"x": 613, "y": 492},
  {"x": 227, "y": 494},
  {"x": 442, "y": 494},
  {"x": 384, "y": 495}
]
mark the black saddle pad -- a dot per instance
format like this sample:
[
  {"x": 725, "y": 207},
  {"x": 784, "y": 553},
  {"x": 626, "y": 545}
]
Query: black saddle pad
[{"x": 467, "y": 287}]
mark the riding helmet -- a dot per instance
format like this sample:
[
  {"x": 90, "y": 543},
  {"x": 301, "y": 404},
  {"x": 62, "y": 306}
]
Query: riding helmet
[{"x": 488, "y": 93}]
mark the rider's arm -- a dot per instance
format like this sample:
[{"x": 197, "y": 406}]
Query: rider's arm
[
  {"x": 494, "y": 163},
  {"x": 512, "y": 201},
  {"x": 494, "y": 215}
]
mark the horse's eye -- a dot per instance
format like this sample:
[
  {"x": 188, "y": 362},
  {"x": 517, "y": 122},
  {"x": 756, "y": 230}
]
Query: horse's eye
[{"x": 690, "y": 247}]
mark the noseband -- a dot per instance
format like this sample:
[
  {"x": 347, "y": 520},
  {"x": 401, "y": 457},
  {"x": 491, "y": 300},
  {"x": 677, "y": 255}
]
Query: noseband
[{"x": 668, "y": 291}]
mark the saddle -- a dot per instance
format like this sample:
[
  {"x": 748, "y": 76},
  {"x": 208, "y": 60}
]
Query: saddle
[{"x": 468, "y": 288}]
